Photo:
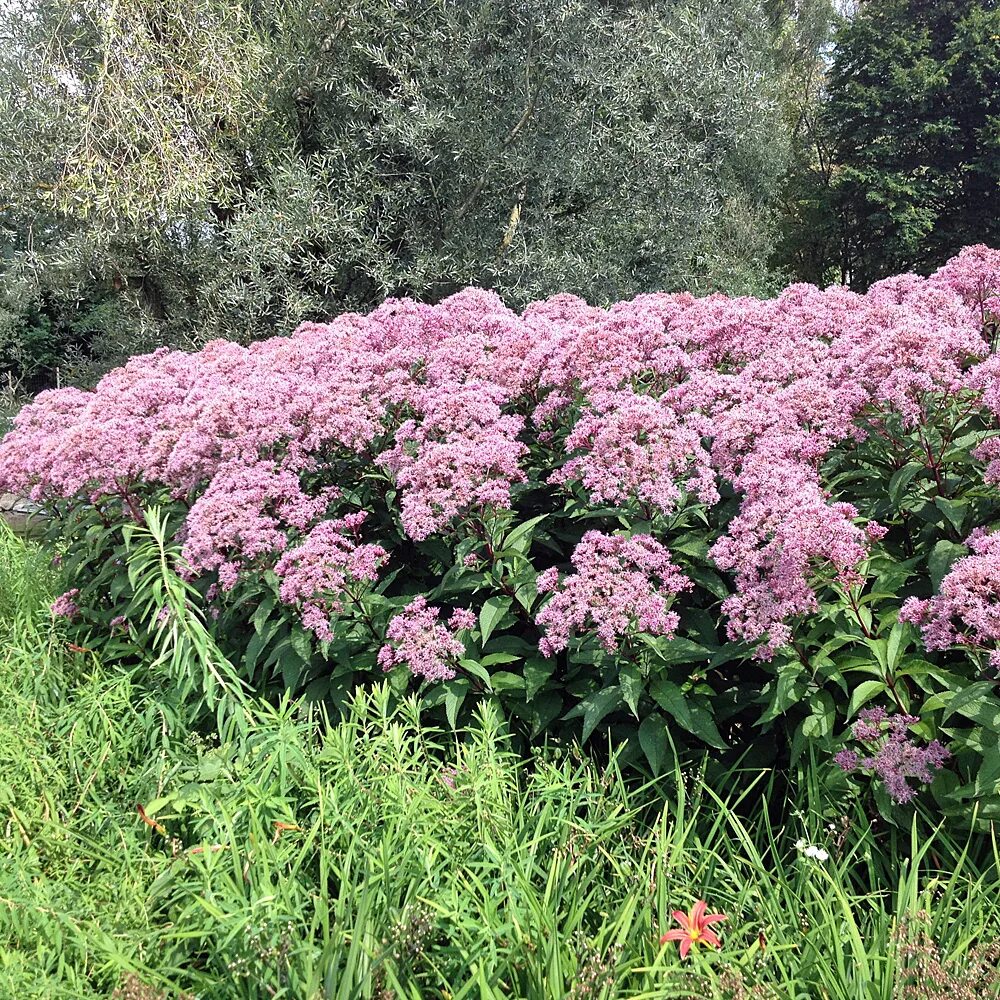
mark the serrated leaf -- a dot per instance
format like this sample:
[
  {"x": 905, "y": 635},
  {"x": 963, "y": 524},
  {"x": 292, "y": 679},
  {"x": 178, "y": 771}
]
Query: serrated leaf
[
  {"x": 671, "y": 699},
  {"x": 291, "y": 671},
  {"x": 694, "y": 545},
  {"x": 526, "y": 594},
  {"x": 704, "y": 727}
]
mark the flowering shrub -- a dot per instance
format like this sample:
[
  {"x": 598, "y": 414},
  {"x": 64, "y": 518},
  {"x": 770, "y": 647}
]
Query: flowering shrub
[{"x": 714, "y": 514}]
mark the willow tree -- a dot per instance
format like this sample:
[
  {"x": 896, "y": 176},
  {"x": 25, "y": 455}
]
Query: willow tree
[{"x": 171, "y": 172}]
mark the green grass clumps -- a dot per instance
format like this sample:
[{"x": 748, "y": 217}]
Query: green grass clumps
[{"x": 375, "y": 857}]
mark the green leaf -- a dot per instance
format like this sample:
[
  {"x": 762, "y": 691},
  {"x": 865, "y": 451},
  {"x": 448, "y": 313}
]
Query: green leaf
[
  {"x": 597, "y": 707},
  {"x": 900, "y": 632},
  {"x": 819, "y": 723},
  {"x": 526, "y": 594},
  {"x": 491, "y": 615},
  {"x": 302, "y": 643},
  {"x": 862, "y": 694},
  {"x": 542, "y": 710},
  {"x": 477, "y": 670},
  {"x": 514, "y": 644},
  {"x": 953, "y": 510},
  {"x": 692, "y": 544},
  {"x": 455, "y": 692},
  {"x": 689, "y": 714},
  {"x": 671, "y": 699},
  {"x": 519, "y": 540},
  {"x": 537, "y": 672},
  {"x": 709, "y": 579},
  {"x": 654, "y": 742},
  {"x": 261, "y": 613},
  {"x": 492, "y": 659},
  {"x": 291, "y": 671},
  {"x": 901, "y": 479},
  {"x": 317, "y": 689},
  {"x": 677, "y": 649},
  {"x": 977, "y": 703},
  {"x": 942, "y": 556},
  {"x": 703, "y": 724},
  {"x": 988, "y": 777},
  {"x": 506, "y": 681},
  {"x": 630, "y": 678},
  {"x": 786, "y": 690}
]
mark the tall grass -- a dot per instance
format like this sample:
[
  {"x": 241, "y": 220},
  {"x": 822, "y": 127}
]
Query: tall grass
[{"x": 376, "y": 857}]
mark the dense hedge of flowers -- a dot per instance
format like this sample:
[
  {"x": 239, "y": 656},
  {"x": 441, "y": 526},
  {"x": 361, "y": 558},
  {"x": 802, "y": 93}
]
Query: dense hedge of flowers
[{"x": 704, "y": 512}]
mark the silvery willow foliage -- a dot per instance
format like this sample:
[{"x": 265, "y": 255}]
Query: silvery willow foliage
[
  {"x": 714, "y": 514},
  {"x": 237, "y": 168}
]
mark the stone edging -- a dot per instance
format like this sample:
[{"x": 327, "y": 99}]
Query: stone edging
[{"x": 24, "y": 516}]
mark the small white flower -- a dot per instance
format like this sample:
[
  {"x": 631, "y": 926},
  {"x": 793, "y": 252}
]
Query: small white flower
[{"x": 811, "y": 850}]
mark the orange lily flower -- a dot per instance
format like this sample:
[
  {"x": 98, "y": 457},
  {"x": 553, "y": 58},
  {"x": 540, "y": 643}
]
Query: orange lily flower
[{"x": 694, "y": 928}]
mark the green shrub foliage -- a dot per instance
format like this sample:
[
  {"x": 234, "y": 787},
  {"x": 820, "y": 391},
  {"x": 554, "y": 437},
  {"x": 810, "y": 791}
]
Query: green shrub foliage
[{"x": 233, "y": 169}]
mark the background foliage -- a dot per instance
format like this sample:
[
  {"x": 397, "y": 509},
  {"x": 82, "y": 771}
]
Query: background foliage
[
  {"x": 896, "y": 158},
  {"x": 174, "y": 174}
]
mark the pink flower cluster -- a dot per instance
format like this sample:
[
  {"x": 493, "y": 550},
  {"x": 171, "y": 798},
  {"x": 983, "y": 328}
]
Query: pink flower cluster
[
  {"x": 786, "y": 534},
  {"x": 896, "y": 758},
  {"x": 316, "y": 575},
  {"x": 463, "y": 454},
  {"x": 452, "y": 409},
  {"x": 966, "y": 609},
  {"x": 621, "y": 585},
  {"x": 632, "y": 445},
  {"x": 418, "y": 640},
  {"x": 65, "y": 606}
]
